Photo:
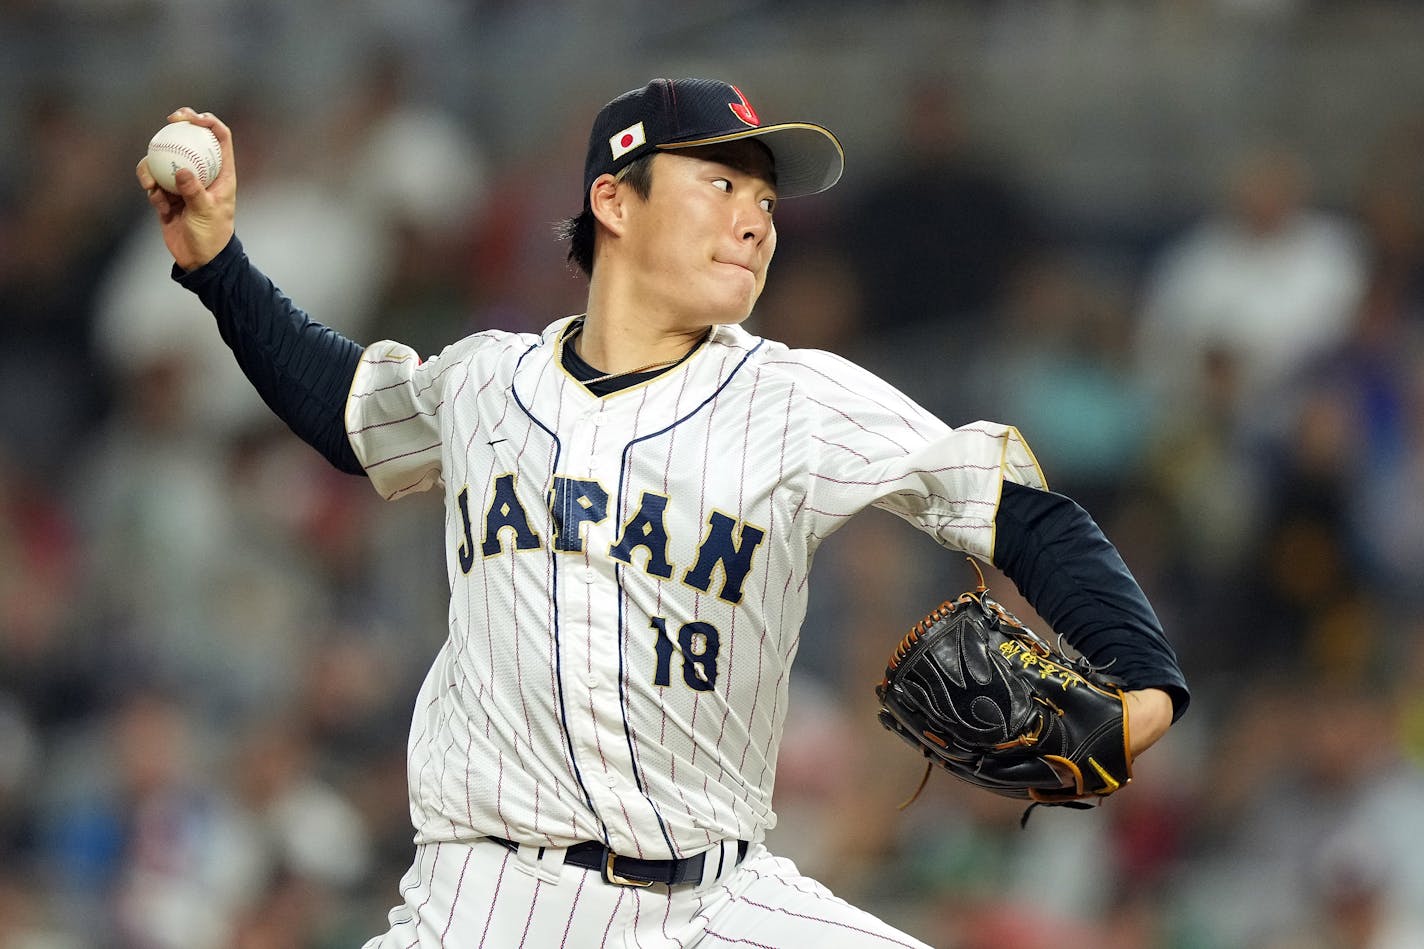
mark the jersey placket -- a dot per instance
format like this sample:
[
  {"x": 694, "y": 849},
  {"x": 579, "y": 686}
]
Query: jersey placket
[{"x": 591, "y": 641}]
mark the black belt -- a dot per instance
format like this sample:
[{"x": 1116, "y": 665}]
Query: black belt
[{"x": 633, "y": 871}]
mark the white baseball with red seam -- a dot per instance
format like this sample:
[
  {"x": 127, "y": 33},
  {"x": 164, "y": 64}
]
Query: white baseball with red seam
[{"x": 184, "y": 145}]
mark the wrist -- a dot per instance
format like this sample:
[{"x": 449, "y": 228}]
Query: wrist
[
  {"x": 1149, "y": 715},
  {"x": 189, "y": 268}
]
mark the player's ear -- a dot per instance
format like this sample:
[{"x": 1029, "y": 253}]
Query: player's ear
[{"x": 608, "y": 202}]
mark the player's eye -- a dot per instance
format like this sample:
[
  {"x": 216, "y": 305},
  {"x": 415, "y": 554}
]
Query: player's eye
[{"x": 768, "y": 204}]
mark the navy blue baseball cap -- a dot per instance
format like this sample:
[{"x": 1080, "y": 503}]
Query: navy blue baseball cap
[{"x": 684, "y": 113}]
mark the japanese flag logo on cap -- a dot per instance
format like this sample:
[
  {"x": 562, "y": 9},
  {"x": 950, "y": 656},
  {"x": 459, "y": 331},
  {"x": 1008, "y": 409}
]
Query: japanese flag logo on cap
[{"x": 621, "y": 143}]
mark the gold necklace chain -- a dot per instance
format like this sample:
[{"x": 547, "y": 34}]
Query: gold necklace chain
[
  {"x": 632, "y": 372},
  {"x": 628, "y": 372}
]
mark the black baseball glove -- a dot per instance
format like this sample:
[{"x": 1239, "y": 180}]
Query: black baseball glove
[{"x": 981, "y": 695}]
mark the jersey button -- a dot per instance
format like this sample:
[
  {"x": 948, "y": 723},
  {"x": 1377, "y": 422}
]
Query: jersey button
[
  {"x": 592, "y": 681},
  {"x": 589, "y": 574}
]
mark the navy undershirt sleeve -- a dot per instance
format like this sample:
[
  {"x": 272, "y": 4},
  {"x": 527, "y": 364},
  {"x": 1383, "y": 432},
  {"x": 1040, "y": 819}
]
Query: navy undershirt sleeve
[
  {"x": 1069, "y": 572},
  {"x": 302, "y": 369}
]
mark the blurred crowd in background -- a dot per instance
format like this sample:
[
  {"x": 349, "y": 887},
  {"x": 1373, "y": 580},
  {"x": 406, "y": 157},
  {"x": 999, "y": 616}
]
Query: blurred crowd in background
[{"x": 1179, "y": 243}]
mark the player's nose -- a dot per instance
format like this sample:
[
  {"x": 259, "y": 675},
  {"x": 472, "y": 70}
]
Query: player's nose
[{"x": 753, "y": 223}]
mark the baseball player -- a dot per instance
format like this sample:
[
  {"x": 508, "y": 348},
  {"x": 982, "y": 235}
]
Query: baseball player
[{"x": 633, "y": 501}]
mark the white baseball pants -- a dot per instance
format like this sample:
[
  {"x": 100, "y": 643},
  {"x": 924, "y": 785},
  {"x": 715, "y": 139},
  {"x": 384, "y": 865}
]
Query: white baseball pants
[{"x": 483, "y": 896}]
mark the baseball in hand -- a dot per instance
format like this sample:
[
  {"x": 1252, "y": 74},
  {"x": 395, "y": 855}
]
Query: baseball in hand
[{"x": 184, "y": 145}]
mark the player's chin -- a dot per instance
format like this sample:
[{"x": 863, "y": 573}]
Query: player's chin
[
  {"x": 735, "y": 302},
  {"x": 730, "y": 316}
]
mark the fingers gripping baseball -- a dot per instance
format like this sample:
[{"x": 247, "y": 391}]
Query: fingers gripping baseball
[{"x": 197, "y": 221}]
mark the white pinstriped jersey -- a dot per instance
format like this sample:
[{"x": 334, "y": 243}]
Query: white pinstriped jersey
[{"x": 628, "y": 573}]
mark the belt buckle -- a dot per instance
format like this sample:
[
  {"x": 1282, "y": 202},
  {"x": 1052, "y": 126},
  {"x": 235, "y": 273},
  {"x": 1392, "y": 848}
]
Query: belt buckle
[{"x": 610, "y": 877}]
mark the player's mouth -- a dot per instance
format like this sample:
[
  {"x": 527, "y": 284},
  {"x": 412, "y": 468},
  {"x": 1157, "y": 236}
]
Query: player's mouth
[{"x": 738, "y": 264}]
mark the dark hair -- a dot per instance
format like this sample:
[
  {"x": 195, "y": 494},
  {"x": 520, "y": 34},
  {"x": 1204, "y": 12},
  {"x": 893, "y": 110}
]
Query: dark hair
[{"x": 579, "y": 231}]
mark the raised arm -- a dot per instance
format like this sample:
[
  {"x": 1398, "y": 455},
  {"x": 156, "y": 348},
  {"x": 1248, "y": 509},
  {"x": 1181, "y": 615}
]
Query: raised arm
[{"x": 301, "y": 369}]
